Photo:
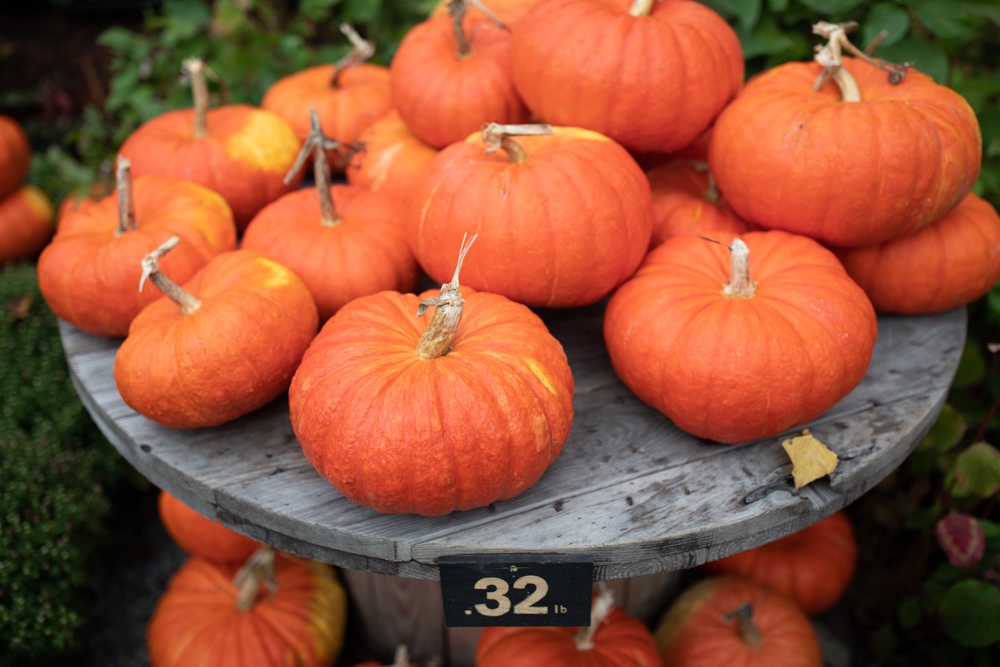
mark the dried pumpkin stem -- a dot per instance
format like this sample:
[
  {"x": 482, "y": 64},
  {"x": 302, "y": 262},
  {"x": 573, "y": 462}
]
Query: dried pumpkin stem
[
  {"x": 457, "y": 9},
  {"x": 259, "y": 569},
  {"x": 602, "y": 607},
  {"x": 194, "y": 68},
  {"x": 361, "y": 51},
  {"x": 439, "y": 335},
  {"x": 744, "y": 622},
  {"x": 318, "y": 144},
  {"x": 830, "y": 56},
  {"x": 641, "y": 7},
  {"x": 739, "y": 286},
  {"x": 712, "y": 194},
  {"x": 497, "y": 136},
  {"x": 402, "y": 657},
  {"x": 173, "y": 291},
  {"x": 126, "y": 200}
]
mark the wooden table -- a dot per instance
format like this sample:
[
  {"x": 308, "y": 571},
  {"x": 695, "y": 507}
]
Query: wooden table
[{"x": 629, "y": 489}]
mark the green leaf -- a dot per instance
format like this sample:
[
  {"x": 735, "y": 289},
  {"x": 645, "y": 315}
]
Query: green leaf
[
  {"x": 184, "y": 19},
  {"x": 947, "y": 431},
  {"x": 827, "y": 7},
  {"x": 991, "y": 531},
  {"x": 971, "y": 367},
  {"x": 977, "y": 470},
  {"x": 767, "y": 39},
  {"x": 117, "y": 39},
  {"x": 362, "y": 11},
  {"x": 909, "y": 613},
  {"x": 945, "y": 18},
  {"x": 884, "y": 16},
  {"x": 746, "y": 12},
  {"x": 970, "y": 613},
  {"x": 317, "y": 10},
  {"x": 777, "y": 6}
]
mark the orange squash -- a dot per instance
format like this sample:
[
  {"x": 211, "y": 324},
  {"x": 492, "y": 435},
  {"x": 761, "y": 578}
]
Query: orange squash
[
  {"x": 25, "y": 224},
  {"x": 15, "y": 155},
  {"x": 202, "y": 537},
  {"x": 390, "y": 159},
  {"x": 686, "y": 201}
]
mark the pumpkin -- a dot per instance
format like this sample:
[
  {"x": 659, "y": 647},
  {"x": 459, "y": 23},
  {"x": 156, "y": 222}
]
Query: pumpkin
[
  {"x": 390, "y": 159},
  {"x": 450, "y": 76},
  {"x": 200, "y": 536},
  {"x": 686, "y": 201},
  {"x": 627, "y": 69},
  {"x": 215, "y": 614},
  {"x": 225, "y": 344},
  {"x": 25, "y": 224},
  {"x": 343, "y": 241},
  {"x": 730, "y": 354},
  {"x": 89, "y": 272},
  {"x": 349, "y": 96},
  {"x": 15, "y": 155},
  {"x": 541, "y": 204},
  {"x": 852, "y": 164},
  {"x": 507, "y": 12},
  {"x": 240, "y": 151},
  {"x": 449, "y": 412},
  {"x": 812, "y": 567},
  {"x": 613, "y": 639},
  {"x": 737, "y": 623},
  {"x": 949, "y": 263}
]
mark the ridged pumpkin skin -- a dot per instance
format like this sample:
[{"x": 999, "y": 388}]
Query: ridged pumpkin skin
[
  {"x": 244, "y": 157},
  {"x": 620, "y": 641},
  {"x": 812, "y": 567},
  {"x": 695, "y": 633},
  {"x": 735, "y": 369},
  {"x": 478, "y": 424},
  {"x": 684, "y": 202},
  {"x": 362, "y": 96},
  {"x": 89, "y": 274},
  {"x": 233, "y": 355},
  {"x": 443, "y": 98},
  {"x": 26, "y": 224},
  {"x": 15, "y": 155},
  {"x": 845, "y": 173},
  {"x": 589, "y": 63},
  {"x": 947, "y": 264},
  {"x": 366, "y": 252},
  {"x": 391, "y": 160},
  {"x": 300, "y": 624},
  {"x": 200, "y": 536},
  {"x": 539, "y": 221}
]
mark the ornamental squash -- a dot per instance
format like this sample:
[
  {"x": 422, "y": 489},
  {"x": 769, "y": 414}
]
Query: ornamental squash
[
  {"x": 852, "y": 164},
  {"x": 390, "y": 158},
  {"x": 449, "y": 412},
  {"x": 15, "y": 155},
  {"x": 225, "y": 344},
  {"x": 200, "y": 536},
  {"x": 26, "y": 224},
  {"x": 686, "y": 201},
  {"x": 542, "y": 204},
  {"x": 216, "y": 614},
  {"x": 740, "y": 342},
  {"x": 737, "y": 623}
]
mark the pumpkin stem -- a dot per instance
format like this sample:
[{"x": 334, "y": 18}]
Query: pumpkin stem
[
  {"x": 440, "y": 333},
  {"x": 361, "y": 51},
  {"x": 744, "y": 622},
  {"x": 126, "y": 200},
  {"x": 602, "y": 607},
  {"x": 711, "y": 194},
  {"x": 739, "y": 286},
  {"x": 318, "y": 144},
  {"x": 457, "y": 9},
  {"x": 173, "y": 291},
  {"x": 830, "y": 55},
  {"x": 401, "y": 657},
  {"x": 259, "y": 569},
  {"x": 497, "y": 136},
  {"x": 195, "y": 69},
  {"x": 641, "y": 7}
]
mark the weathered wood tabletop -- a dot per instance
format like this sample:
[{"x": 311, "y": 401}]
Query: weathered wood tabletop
[{"x": 629, "y": 488}]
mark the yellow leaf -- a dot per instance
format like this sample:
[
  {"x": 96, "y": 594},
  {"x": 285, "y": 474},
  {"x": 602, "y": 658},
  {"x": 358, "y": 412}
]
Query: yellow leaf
[{"x": 811, "y": 459}]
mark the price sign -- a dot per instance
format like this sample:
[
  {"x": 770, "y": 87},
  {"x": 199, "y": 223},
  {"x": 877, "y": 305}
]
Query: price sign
[{"x": 522, "y": 589}]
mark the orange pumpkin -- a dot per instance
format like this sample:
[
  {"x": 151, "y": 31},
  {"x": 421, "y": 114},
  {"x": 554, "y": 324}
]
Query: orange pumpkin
[
  {"x": 627, "y": 69},
  {"x": 448, "y": 81},
  {"x": 852, "y": 164},
  {"x": 541, "y": 205},
  {"x": 737, "y": 623},
  {"x": 686, "y": 201},
  {"x": 614, "y": 639},
  {"x": 89, "y": 274},
  {"x": 240, "y": 151},
  {"x": 508, "y": 11},
  {"x": 390, "y": 159},
  {"x": 225, "y": 344},
  {"x": 25, "y": 224},
  {"x": 15, "y": 155},
  {"x": 949, "y": 263},
  {"x": 732, "y": 355},
  {"x": 449, "y": 412},
  {"x": 812, "y": 567},
  {"x": 202, "y": 537},
  {"x": 215, "y": 614}
]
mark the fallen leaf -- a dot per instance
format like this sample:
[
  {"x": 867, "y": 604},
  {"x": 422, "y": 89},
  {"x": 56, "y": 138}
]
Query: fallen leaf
[{"x": 811, "y": 459}]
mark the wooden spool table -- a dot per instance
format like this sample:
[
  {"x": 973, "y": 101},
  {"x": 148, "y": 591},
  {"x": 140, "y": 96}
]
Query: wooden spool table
[{"x": 630, "y": 490}]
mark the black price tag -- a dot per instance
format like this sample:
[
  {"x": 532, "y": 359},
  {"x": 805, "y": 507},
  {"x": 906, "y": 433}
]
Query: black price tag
[{"x": 521, "y": 589}]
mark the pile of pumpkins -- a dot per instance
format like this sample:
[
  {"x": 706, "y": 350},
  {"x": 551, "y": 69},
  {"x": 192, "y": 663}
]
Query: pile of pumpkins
[{"x": 238, "y": 602}]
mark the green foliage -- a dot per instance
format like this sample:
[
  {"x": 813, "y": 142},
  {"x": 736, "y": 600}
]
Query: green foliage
[{"x": 55, "y": 467}]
